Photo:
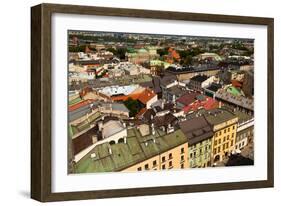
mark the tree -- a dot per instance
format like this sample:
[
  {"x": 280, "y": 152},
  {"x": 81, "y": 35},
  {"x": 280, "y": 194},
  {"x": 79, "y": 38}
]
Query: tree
[
  {"x": 162, "y": 52},
  {"x": 80, "y": 48},
  {"x": 121, "y": 52},
  {"x": 134, "y": 106}
]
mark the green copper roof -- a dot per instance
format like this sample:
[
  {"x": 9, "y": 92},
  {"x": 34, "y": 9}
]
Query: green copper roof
[
  {"x": 124, "y": 155},
  {"x": 234, "y": 91}
]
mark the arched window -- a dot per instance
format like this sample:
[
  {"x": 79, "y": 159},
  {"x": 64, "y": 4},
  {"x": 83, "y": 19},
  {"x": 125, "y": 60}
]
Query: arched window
[
  {"x": 217, "y": 158},
  {"x": 112, "y": 142},
  {"x": 121, "y": 140}
]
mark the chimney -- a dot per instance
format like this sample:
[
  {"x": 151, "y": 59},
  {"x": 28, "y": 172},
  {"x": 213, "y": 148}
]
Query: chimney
[
  {"x": 152, "y": 129},
  {"x": 100, "y": 125},
  {"x": 109, "y": 150},
  {"x": 219, "y": 104}
]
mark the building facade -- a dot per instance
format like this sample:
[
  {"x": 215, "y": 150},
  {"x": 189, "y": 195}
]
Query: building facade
[
  {"x": 224, "y": 127},
  {"x": 199, "y": 135},
  {"x": 174, "y": 158}
]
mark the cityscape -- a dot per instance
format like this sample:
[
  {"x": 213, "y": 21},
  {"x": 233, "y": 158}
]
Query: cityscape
[{"x": 146, "y": 102}]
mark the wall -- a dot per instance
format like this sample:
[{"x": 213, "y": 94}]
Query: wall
[{"x": 15, "y": 102}]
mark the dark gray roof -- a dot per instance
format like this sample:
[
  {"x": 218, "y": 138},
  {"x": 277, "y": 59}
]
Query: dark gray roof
[
  {"x": 80, "y": 112},
  {"x": 196, "y": 130},
  {"x": 199, "y": 78},
  {"x": 167, "y": 79},
  {"x": 214, "y": 87}
]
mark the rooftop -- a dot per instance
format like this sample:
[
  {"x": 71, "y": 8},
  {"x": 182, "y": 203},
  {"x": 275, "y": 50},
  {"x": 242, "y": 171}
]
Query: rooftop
[
  {"x": 112, "y": 127},
  {"x": 244, "y": 102},
  {"x": 79, "y": 110},
  {"x": 196, "y": 130},
  {"x": 235, "y": 91},
  {"x": 115, "y": 106},
  {"x": 242, "y": 116},
  {"x": 218, "y": 116},
  {"x": 214, "y": 87},
  {"x": 199, "y": 78},
  {"x": 191, "y": 69},
  {"x": 177, "y": 90},
  {"x": 187, "y": 98},
  {"x": 202, "y": 102},
  {"x": 144, "y": 96},
  {"x": 123, "y": 155}
]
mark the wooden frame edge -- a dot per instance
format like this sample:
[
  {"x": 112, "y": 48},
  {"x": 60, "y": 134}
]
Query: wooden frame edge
[{"x": 41, "y": 101}]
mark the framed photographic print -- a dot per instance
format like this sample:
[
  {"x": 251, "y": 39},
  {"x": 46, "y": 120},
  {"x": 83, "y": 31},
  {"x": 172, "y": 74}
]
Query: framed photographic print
[{"x": 130, "y": 102}]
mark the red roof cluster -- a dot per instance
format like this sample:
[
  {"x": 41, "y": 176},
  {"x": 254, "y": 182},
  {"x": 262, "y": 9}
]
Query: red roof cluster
[{"x": 208, "y": 103}]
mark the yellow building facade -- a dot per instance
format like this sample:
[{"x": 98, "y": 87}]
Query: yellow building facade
[{"x": 224, "y": 139}]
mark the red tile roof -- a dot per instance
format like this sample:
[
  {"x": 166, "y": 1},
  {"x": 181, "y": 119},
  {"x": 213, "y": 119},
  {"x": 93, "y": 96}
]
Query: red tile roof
[
  {"x": 236, "y": 83},
  {"x": 143, "y": 96},
  {"x": 188, "y": 98},
  {"x": 146, "y": 95},
  {"x": 79, "y": 104},
  {"x": 208, "y": 104}
]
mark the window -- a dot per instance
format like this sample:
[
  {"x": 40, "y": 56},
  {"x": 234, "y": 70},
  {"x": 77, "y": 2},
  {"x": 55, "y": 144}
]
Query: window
[
  {"x": 190, "y": 155},
  {"x": 233, "y": 127},
  {"x": 224, "y": 131},
  {"x": 139, "y": 168},
  {"x": 170, "y": 164},
  {"x": 228, "y": 129},
  {"x": 163, "y": 167},
  {"x": 219, "y": 141},
  {"x": 227, "y": 145},
  {"x": 223, "y": 147},
  {"x": 182, "y": 158},
  {"x": 163, "y": 159},
  {"x": 170, "y": 156},
  {"x": 182, "y": 150},
  {"x": 227, "y": 137},
  {"x": 154, "y": 163},
  {"x": 215, "y": 151},
  {"x": 220, "y": 133},
  {"x": 182, "y": 166},
  {"x": 216, "y": 142},
  {"x": 232, "y": 135},
  {"x": 224, "y": 138},
  {"x": 219, "y": 149},
  {"x": 146, "y": 167}
]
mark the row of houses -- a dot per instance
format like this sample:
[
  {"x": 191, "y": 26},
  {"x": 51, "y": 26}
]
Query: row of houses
[{"x": 198, "y": 140}]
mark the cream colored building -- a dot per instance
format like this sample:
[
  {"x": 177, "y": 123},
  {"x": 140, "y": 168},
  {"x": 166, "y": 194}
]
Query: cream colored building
[{"x": 174, "y": 158}]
